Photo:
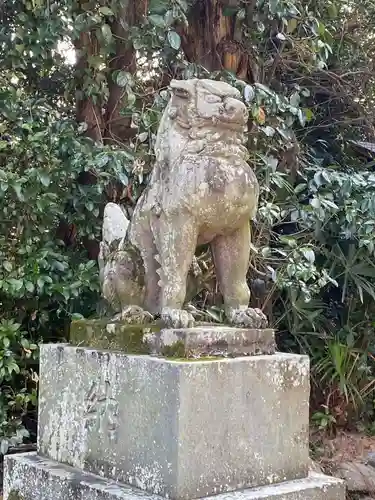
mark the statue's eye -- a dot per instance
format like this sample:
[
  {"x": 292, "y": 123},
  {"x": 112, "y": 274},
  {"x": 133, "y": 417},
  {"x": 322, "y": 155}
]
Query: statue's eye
[
  {"x": 184, "y": 94},
  {"x": 212, "y": 99}
]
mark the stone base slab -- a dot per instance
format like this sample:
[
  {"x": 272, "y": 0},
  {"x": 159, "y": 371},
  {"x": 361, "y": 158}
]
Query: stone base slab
[
  {"x": 202, "y": 340},
  {"x": 36, "y": 478},
  {"x": 209, "y": 341},
  {"x": 178, "y": 428}
]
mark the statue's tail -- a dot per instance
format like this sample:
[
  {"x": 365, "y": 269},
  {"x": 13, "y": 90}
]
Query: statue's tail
[
  {"x": 115, "y": 223},
  {"x": 115, "y": 226}
]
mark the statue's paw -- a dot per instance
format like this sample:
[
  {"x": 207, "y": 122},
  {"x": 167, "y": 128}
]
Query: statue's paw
[
  {"x": 177, "y": 318},
  {"x": 248, "y": 318},
  {"x": 134, "y": 314}
]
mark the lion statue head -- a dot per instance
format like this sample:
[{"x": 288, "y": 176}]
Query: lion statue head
[{"x": 202, "y": 115}]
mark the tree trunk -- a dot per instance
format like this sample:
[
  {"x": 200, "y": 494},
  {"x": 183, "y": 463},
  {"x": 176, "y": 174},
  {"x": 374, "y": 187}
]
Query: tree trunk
[
  {"x": 214, "y": 38},
  {"x": 103, "y": 119},
  {"x": 117, "y": 127},
  {"x": 87, "y": 110}
]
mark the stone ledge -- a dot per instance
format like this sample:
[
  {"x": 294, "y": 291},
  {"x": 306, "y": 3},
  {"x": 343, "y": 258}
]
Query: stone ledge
[
  {"x": 36, "y": 478},
  {"x": 113, "y": 335},
  {"x": 202, "y": 340},
  {"x": 211, "y": 341}
]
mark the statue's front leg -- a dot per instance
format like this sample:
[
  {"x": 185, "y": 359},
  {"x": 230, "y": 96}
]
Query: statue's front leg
[
  {"x": 231, "y": 256},
  {"x": 176, "y": 240},
  {"x": 134, "y": 315}
]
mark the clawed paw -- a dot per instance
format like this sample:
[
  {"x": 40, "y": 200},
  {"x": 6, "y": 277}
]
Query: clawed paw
[
  {"x": 177, "y": 318},
  {"x": 248, "y": 318},
  {"x": 134, "y": 314}
]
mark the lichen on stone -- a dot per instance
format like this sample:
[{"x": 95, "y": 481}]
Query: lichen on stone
[
  {"x": 176, "y": 350},
  {"x": 15, "y": 495},
  {"x": 104, "y": 334}
]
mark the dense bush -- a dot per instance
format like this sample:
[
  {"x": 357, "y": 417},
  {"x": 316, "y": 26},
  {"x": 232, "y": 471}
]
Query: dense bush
[{"x": 73, "y": 137}]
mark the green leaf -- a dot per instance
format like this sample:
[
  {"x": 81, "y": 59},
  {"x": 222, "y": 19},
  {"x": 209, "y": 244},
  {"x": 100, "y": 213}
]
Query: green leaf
[
  {"x": 25, "y": 343},
  {"x": 18, "y": 190},
  {"x": 169, "y": 17},
  {"x": 123, "y": 178},
  {"x": 315, "y": 202},
  {"x": 300, "y": 188},
  {"x": 157, "y": 20},
  {"x": 295, "y": 99},
  {"x": 44, "y": 178},
  {"x": 16, "y": 284},
  {"x": 131, "y": 97},
  {"x": 29, "y": 286},
  {"x": 292, "y": 25},
  {"x": 138, "y": 43},
  {"x": 332, "y": 10},
  {"x": 77, "y": 316},
  {"x": 13, "y": 367},
  {"x": 89, "y": 205},
  {"x": 321, "y": 29},
  {"x": 309, "y": 255},
  {"x": 106, "y": 11},
  {"x": 7, "y": 265},
  {"x": 59, "y": 265},
  {"x": 143, "y": 136},
  {"x": 309, "y": 115},
  {"x": 107, "y": 33},
  {"x": 123, "y": 78},
  {"x": 158, "y": 6},
  {"x": 174, "y": 40}
]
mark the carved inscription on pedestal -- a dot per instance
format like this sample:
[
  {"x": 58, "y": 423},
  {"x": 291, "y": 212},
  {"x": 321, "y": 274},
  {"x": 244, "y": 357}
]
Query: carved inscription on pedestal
[{"x": 101, "y": 410}]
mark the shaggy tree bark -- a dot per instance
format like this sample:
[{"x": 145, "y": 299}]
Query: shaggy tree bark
[
  {"x": 117, "y": 127},
  {"x": 215, "y": 39},
  {"x": 102, "y": 116}
]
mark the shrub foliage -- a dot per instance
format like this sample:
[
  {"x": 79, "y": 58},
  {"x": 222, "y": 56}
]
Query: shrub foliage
[{"x": 75, "y": 134}]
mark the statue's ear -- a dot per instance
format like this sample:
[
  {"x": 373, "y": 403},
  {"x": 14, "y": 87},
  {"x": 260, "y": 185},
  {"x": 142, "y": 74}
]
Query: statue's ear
[
  {"x": 181, "y": 93},
  {"x": 182, "y": 88}
]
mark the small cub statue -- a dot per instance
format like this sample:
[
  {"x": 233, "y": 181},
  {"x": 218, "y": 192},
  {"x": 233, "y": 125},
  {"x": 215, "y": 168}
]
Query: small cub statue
[{"x": 201, "y": 191}]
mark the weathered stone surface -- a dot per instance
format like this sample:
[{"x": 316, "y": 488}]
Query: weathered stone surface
[
  {"x": 315, "y": 467},
  {"x": 358, "y": 476},
  {"x": 42, "y": 479},
  {"x": 206, "y": 340},
  {"x": 211, "y": 341},
  {"x": 115, "y": 223},
  {"x": 114, "y": 335},
  {"x": 371, "y": 459},
  {"x": 179, "y": 428},
  {"x": 201, "y": 190}
]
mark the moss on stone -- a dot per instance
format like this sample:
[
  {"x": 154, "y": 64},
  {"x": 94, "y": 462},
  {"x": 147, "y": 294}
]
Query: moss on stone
[
  {"x": 113, "y": 335},
  {"x": 200, "y": 358},
  {"x": 176, "y": 350},
  {"x": 15, "y": 495}
]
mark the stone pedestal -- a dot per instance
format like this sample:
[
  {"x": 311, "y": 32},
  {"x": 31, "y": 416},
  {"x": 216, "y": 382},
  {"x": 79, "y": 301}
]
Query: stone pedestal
[{"x": 117, "y": 425}]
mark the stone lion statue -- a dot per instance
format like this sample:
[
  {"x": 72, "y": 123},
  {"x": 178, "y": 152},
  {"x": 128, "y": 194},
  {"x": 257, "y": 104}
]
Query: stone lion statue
[{"x": 201, "y": 190}]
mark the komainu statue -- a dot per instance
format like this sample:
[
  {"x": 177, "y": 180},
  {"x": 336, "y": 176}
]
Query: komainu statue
[{"x": 201, "y": 190}]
